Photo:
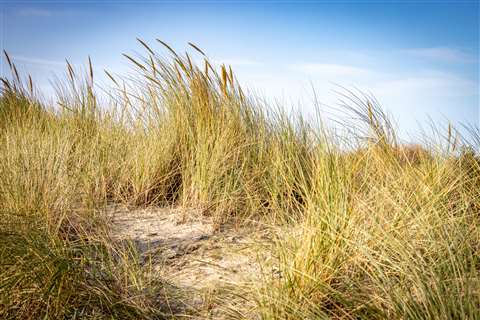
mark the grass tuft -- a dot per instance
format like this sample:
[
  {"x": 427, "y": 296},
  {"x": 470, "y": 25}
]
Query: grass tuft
[{"x": 376, "y": 230}]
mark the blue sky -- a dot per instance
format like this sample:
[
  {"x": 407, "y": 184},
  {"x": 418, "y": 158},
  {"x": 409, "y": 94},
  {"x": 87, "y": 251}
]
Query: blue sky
[{"x": 419, "y": 58}]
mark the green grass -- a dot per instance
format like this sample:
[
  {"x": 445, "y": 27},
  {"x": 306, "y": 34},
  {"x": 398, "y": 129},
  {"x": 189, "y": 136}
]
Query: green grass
[{"x": 363, "y": 227}]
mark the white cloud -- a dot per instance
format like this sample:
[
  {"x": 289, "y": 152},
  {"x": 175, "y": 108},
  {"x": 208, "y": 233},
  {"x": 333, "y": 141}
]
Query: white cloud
[
  {"x": 38, "y": 61},
  {"x": 237, "y": 62},
  {"x": 408, "y": 95},
  {"x": 331, "y": 70},
  {"x": 441, "y": 53},
  {"x": 433, "y": 84}
]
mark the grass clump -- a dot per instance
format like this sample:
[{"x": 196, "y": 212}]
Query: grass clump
[
  {"x": 388, "y": 233},
  {"x": 370, "y": 229}
]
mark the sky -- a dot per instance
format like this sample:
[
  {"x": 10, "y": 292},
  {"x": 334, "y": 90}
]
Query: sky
[{"x": 420, "y": 59}]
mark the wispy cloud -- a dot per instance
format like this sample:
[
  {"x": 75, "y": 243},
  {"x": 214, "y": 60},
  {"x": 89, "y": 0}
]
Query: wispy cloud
[
  {"x": 330, "y": 70},
  {"x": 433, "y": 84},
  {"x": 34, "y": 12},
  {"x": 234, "y": 62},
  {"x": 38, "y": 61},
  {"x": 441, "y": 53}
]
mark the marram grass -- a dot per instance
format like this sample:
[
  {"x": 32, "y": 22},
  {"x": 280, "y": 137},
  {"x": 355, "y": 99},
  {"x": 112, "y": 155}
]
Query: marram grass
[{"x": 364, "y": 229}]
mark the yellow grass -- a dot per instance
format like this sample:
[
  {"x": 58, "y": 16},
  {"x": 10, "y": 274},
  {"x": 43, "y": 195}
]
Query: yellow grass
[{"x": 375, "y": 230}]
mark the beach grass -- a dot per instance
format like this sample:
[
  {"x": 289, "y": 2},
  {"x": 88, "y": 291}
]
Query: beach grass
[{"x": 362, "y": 225}]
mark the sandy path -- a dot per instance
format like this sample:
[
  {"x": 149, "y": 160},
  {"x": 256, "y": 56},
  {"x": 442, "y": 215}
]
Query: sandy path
[{"x": 188, "y": 252}]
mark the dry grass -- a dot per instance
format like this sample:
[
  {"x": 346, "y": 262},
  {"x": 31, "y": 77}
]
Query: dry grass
[{"x": 379, "y": 231}]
